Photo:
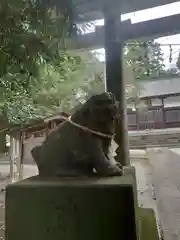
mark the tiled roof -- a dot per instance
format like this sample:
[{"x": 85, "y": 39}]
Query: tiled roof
[{"x": 159, "y": 87}]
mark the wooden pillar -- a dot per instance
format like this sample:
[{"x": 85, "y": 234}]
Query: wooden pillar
[
  {"x": 163, "y": 112},
  {"x": 137, "y": 115},
  {"x": 21, "y": 147},
  {"x": 11, "y": 158},
  {"x": 114, "y": 77},
  {"x": 46, "y": 131},
  {"x": 17, "y": 157}
]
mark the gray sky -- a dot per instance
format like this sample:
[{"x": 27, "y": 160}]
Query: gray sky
[{"x": 153, "y": 13}]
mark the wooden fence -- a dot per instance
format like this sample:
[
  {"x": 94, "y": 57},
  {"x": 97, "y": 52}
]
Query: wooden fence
[{"x": 154, "y": 118}]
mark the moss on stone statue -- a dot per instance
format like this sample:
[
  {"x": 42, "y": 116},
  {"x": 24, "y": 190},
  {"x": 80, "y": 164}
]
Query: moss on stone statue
[
  {"x": 71, "y": 209},
  {"x": 67, "y": 209},
  {"x": 147, "y": 227},
  {"x": 145, "y": 218}
]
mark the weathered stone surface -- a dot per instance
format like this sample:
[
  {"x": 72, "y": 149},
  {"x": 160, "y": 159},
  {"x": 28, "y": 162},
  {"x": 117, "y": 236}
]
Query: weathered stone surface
[
  {"x": 145, "y": 139},
  {"x": 130, "y": 170},
  {"x": 167, "y": 182},
  {"x": 148, "y": 227},
  {"x": 71, "y": 209},
  {"x": 81, "y": 144}
]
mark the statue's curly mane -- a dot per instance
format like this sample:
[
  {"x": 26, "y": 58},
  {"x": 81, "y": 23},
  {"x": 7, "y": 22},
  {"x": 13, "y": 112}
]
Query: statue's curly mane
[{"x": 98, "y": 113}]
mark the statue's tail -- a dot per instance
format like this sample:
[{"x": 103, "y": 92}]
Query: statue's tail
[{"x": 35, "y": 152}]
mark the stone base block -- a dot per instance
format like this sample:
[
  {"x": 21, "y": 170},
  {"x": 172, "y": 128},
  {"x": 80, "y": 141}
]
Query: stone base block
[
  {"x": 71, "y": 209},
  {"x": 148, "y": 227}
]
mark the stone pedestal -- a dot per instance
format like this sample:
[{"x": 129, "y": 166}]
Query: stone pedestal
[
  {"x": 71, "y": 209},
  {"x": 167, "y": 183}
]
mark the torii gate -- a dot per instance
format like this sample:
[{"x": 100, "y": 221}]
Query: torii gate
[
  {"x": 111, "y": 36},
  {"x": 113, "y": 43}
]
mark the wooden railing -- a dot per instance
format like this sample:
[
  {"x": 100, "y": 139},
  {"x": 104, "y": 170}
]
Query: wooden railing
[{"x": 154, "y": 118}]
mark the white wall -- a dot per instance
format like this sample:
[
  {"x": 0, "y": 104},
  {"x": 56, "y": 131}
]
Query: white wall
[{"x": 172, "y": 101}]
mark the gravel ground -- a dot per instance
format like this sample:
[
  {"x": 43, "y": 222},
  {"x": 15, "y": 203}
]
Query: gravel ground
[{"x": 28, "y": 171}]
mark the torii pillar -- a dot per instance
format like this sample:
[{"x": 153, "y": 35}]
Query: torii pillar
[{"x": 114, "y": 76}]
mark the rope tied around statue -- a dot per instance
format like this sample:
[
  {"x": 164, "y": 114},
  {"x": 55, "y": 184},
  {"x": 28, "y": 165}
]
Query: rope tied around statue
[
  {"x": 81, "y": 142},
  {"x": 86, "y": 128},
  {"x": 114, "y": 106}
]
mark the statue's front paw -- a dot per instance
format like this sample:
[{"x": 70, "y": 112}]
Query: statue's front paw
[{"x": 119, "y": 165}]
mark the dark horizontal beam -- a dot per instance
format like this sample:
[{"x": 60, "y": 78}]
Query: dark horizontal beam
[
  {"x": 153, "y": 28},
  {"x": 161, "y": 96},
  {"x": 156, "y": 28},
  {"x": 92, "y": 9},
  {"x": 92, "y": 40}
]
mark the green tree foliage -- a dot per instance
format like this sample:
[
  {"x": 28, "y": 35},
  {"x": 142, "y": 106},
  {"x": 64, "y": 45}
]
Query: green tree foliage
[
  {"x": 59, "y": 93},
  {"x": 144, "y": 58},
  {"x": 35, "y": 65},
  {"x": 53, "y": 91},
  {"x": 38, "y": 75},
  {"x": 31, "y": 33}
]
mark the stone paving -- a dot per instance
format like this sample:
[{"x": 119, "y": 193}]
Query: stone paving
[{"x": 166, "y": 178}]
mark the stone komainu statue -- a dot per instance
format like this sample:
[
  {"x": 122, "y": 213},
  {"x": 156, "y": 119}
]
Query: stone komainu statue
[{"x": 80, "y": 146}]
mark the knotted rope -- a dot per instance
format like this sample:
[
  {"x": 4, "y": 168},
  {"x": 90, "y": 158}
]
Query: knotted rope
[{"x": 86, "y": 128}]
